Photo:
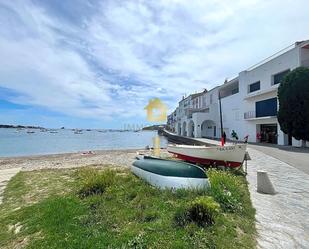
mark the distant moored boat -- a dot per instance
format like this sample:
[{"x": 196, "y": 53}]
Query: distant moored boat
[{"x": 76, "y": 131}]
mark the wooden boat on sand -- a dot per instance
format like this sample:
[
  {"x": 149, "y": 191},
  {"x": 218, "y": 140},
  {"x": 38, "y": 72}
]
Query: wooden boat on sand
[
  {"x": 170, "y": 174},
  {"x": 229, "y": 156}
]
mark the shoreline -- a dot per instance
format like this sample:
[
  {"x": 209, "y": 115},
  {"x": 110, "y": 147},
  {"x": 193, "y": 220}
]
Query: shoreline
[
  {"x": 120, "y": 158},
  {"x": 51, "y": 154}
]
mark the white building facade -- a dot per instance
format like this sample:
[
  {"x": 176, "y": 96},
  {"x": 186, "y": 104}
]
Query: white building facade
[{"x": 249, "y": 102}]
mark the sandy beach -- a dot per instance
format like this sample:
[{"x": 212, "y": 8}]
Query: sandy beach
[{"x": 123, "y": 158}]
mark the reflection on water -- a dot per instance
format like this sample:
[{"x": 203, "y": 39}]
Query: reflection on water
[{"x": 35, "y": 142}]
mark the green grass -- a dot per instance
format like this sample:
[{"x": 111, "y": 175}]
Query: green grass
[{"x": 45, "y": 209}]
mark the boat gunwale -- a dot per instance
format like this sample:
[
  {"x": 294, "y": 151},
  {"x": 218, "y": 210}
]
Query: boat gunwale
[
  {"x": 202, "y": 147},
  {"x": 186, "y": 182},
  {"x": 173, "y": 161}
]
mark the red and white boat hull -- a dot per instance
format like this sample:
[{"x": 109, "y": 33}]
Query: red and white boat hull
[{"x": 230, "y": 156}]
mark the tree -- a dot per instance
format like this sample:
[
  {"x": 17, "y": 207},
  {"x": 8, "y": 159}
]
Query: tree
[{"x": 293, "y": 96}]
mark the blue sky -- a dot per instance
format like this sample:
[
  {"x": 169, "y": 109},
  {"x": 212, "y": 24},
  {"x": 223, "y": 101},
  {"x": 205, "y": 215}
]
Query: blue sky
[{"x": 96, "y": 64}]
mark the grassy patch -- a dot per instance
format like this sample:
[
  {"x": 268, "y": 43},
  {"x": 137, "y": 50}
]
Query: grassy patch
[
  {"x": 228, "y": 190},
  {"x": 202, "y": 211},
  {"x": 121, "y": 211},
  {"x": 94, "y": 182}
]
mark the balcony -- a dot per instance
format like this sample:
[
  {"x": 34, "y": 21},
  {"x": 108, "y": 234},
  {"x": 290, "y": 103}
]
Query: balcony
[
  {"x": 190, "y": 111},
  {"x": 251, "y": 115},
  {"x": 259, "y": 93},
  {"x": 229, "y": 89}
]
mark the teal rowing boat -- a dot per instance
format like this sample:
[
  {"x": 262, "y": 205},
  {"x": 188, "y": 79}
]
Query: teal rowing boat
[{"x": 170, "y": 174}]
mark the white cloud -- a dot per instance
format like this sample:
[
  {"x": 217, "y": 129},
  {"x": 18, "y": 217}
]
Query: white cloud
[{"x": 126, "y": 52}]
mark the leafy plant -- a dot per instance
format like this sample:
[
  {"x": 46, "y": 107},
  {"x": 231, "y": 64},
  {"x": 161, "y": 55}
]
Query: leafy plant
[
  {"x": 94, "y": 182},
  {"x": 226, "y": 189},
  {"x": 201, "y": 211},
  {"x": 293, "y": 95}
]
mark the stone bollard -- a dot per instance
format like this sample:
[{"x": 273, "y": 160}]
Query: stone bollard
[{"x": 264, "y": 185}]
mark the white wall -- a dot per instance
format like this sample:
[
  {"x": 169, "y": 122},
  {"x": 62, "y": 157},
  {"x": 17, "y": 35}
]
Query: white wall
[
  {"x": 304, "y": 57},
  {"x": 232, "y": 115},
  {"x": 264, "y": 73},
  {"x": 199, "y": 117}
]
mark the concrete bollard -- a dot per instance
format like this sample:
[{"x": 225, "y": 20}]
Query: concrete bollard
[{"x": 264, "y": 184}]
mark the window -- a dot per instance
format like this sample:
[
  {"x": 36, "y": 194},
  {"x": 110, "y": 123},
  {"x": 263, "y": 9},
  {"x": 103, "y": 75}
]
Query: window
[
  {"x": 254, "y": 87},
  {"x": 279, "y": 76},
  {"x": 267, "y": 107},
  {"x": 210, "y": 99}
]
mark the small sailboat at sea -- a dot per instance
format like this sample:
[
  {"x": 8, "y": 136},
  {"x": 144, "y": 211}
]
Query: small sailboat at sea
[{"x": 30, "y": 131}]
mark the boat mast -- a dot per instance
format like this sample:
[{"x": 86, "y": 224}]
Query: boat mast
[{"x": 221, "y": 123}]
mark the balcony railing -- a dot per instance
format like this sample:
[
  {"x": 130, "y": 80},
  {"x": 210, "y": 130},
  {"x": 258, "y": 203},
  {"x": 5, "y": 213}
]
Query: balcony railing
[
  {"x": 249, "y": 114},
  {"x": 252, "y": 114}
]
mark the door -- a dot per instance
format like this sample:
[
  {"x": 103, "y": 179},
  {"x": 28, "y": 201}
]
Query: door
[{"x": 269, "y": 133}]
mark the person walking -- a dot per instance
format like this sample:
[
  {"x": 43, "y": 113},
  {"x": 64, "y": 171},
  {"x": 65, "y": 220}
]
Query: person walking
[
  {"x": 246, "y": 139},
  {"x": 234, "y": 136}
]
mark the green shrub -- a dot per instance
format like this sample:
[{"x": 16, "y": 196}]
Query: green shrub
[
  {"x": 226, "y": 189},
  {"x": 201, "y": 211},
  {"x": 95, "y": 182}
]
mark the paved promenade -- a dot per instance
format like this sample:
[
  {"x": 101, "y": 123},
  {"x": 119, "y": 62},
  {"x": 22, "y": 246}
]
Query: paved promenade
[
  {"x": 296, "y": 157},
  {"x": 5, "y": 176},
  {"x": 282, "y": 219}
]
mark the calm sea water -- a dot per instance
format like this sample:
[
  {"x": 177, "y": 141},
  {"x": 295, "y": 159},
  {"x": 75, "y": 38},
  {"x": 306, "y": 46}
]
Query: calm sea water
[{"x": 21, "y": 143}]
